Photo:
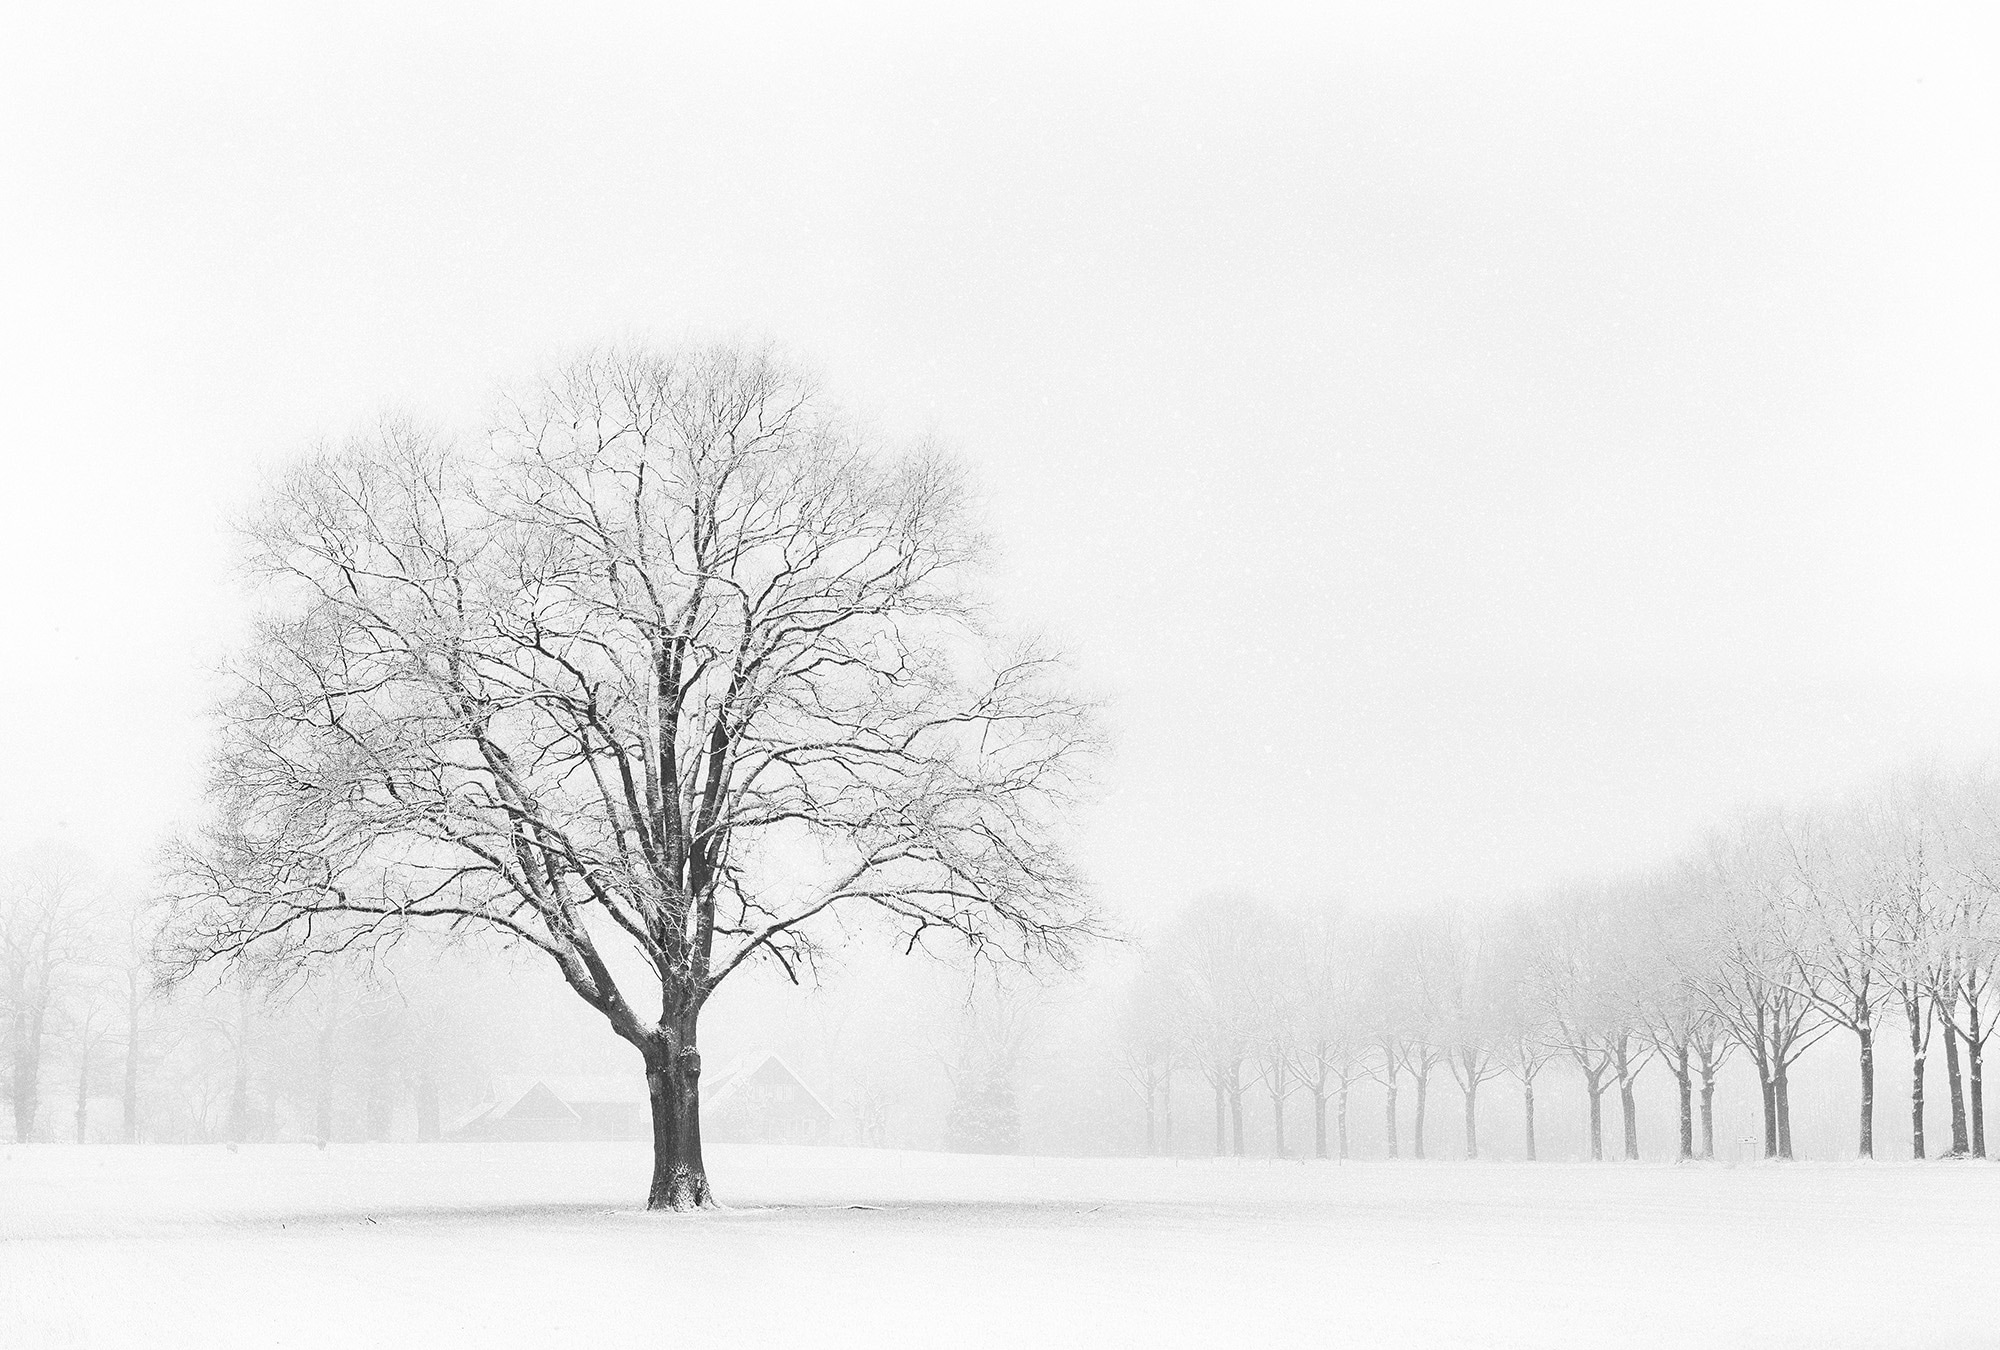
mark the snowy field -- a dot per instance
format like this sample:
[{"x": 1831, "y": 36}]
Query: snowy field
[{"x": 542, "y": 1245}]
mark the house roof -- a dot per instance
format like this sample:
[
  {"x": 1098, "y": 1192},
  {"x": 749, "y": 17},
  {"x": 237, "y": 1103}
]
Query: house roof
[
  {"x": 719, "y": 1089},
  {"x": 518, "y": 1093}
]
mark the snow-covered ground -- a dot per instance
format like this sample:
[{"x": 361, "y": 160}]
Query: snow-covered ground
[{"x": 542, "y": 1245}]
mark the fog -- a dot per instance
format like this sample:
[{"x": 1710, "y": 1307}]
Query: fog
[
  {"x": 1465, "y": 448},
  {"x": 1511, "y": 487}
]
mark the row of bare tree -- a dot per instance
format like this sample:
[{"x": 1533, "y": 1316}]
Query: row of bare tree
[
  {"x": 74, "y": 980},
  {"x": 1872, "y": 915},
  {"x": 87, "y": 1024}
]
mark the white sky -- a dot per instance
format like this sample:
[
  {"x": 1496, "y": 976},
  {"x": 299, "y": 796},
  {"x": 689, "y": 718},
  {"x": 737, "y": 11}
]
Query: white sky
[{"x": 1468, "y": 445}]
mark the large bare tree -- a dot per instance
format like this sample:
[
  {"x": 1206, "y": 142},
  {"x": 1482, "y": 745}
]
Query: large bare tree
[{"x": 659, "y": 676}]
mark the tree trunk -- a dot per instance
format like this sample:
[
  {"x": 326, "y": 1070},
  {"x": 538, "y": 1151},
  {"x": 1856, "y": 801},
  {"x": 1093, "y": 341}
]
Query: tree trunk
[
  {"x": 427, "y": 1109},
  {"x": 673, "y": 1084},
  {"x": 1423, "y": 1096},
  {"x": 323, "y": 1114},
  {"x": 1389, "y": 1115},
  {"x": 1975, "y": 1056},
  {"x": 1684, "y": 1084},
  {"x": 82, "y": 1096},
  {"x": 1867, "y": 1035},
  {"x": 1916, "y": 1096},
  {"x": 239, "y": 1102},
  {"x": 27, "y": 1072},
  {"x": 1628, "y": 1109},
  {"x": 1342, "y": 1122},
  {"x": 381, "y": 1107},
  {"x": 239, "y": 1095},
  {"x": 131, "y": 1102},
  {"x": 1528, "y": 1107},
  {"x": 1277, "y": 1124},
  {"x": 1769, "y": 1093},
  {"x": 1781, "y": 1097},
  {"x": 1961, "y": 1144},
  {"x": 1151, "y": 1139},
  {"x": 1708, "y": 1114},
  {"x": 1319, "y": 1123},
  {"x": 1167, "y": 1111},
  {"x": 1236, "y": 1112},
  {"x": 1595, "y": 1088},
  {"x": 1472, "y": 1120}
]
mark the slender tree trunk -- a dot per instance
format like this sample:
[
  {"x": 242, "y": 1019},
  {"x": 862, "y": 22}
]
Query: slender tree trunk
[
  {"x": 673, "y": 1085},
  {"x": 1867, "y": 1035},
  {"x": 381, "y": 1106},
  {"x": 1472, "y": 1119},
  {"x": 1342, "y": 1121},
  {"x": 1961, "y": 1143},
  {"x": 1528, "y": 1111},
  {"x": 1236, "y": 1112},
  {"x": 1151, "y": 1126},
  {"x": 1621, "y": 1061},
  {"x": 239, "y": 1103},
  {"x": 1389, "y": 1115},
  {"x": 82, "y": 1096},
  {"x": 1781, "y": 1097},
  {"x": 323, "y": 1114},
  {"x": 1708, "y": 1114},
  {"x": 239, "y": 1094},
  {"x": 1916, "y": 1097},
  {"x": 1975, "y": 1057},
  {"x": 131, "y": 1102},
  {"x": 1684, "y": 1085},
  {"x": 1319, "y": 1122},
  {"x": 1595, "y": 1088},
  {"x": 1770, "y": 1095},
  {"x": 1423, "y": 1095},
  {"x": 427, "y": 1109},
  {"x": 1277, "y": 1124},
  {"x": 27, "y": 1071}
]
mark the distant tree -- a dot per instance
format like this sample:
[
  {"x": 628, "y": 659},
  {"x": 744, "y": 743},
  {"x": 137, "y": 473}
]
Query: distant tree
[
  {"x": 1421, "y": 1054},
  {"x": 50, "y": 910},
  {"x": 1751, "y": 986},
  {"x": 1388, "y": 1018},
  {"x": 1635, "y": 977},
  {"x": 131, "y": 933},
  {"x": 1148, "y": 1024},
  {"x": 1902, "y": 851},
  {"x": 1275, "y": 1054},
  {"x": 1329, "y": 1010},
  {"x": 1843, "y": 919},
  {"x": 1462, "y": 980},
  {"x": 664, "y": 671},
  {"x": 1975, "y": 931},
  {"x": 88, "y": 1027},
  {"x": 1217, "y": 948},
  {"x": 1524, "y": 1034},
  {"x": 994, "y": 1030},
  {"x": 1574, "y": 976},
  {"x": 1965, "y": 947}
]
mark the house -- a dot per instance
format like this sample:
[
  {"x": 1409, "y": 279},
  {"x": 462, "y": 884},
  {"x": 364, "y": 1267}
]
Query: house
[
  {"x": 756, "y": 1099},
  {"x": 759, "y": 1100},
  {"x": 545, "y": 1110}
]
